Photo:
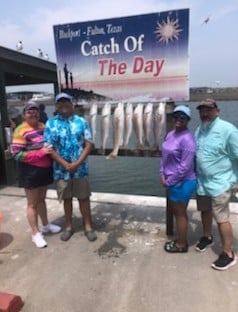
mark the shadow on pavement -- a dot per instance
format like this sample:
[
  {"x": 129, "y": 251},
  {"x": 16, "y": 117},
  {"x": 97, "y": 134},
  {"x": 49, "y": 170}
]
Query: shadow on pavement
[{"x": 5, "y": 240}]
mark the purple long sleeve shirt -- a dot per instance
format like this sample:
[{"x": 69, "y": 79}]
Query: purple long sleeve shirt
[{"x": 177, "y": 161}]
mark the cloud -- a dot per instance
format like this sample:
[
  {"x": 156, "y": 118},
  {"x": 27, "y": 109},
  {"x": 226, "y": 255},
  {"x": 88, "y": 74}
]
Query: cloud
[
  {"x": 35, "y": 27},
  {"x": 10, "y": 34},
  {"x": 224, "y": 11},
  {"x": 33, "y": 24}
]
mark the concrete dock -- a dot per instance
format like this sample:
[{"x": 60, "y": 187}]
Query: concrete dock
[{"x": 125, "y": 270}]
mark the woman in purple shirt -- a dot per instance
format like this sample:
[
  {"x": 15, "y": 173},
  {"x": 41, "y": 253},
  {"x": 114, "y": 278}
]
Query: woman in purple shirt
[{"x": 178, "y": 175}]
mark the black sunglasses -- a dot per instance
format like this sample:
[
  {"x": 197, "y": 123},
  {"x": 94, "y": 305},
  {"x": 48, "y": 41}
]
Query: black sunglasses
[
  {"x": 32, "y": 110},
  {"x": 180, "y": 117}
]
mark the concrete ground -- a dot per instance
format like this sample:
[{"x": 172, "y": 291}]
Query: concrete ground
[{"x": 125, "y": 270}]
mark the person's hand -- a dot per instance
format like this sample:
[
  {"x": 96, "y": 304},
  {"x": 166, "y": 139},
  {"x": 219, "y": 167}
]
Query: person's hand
[
  {"x": 235, "y": 190},
  {"x": 163, "y": 181},
  {"x": 12, "y": 124},
  {"x": 72, "y": 167},
  {"x": 47, "y": 149}
]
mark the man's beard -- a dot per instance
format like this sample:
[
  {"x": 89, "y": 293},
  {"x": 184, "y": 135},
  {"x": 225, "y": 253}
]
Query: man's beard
[{"x": 206, "y": 124}]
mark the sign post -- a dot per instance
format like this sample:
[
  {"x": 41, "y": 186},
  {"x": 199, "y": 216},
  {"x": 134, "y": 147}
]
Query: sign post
[{"x": 169, "y": 213}]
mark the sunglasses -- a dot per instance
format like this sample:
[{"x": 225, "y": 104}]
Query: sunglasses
[
  {"x": 32, "y": 111},
  {"x": 181, "y": 117}
]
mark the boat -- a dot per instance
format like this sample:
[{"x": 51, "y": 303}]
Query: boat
[
  {"x": 44, "y": 98},
  {"x": 20, "y": 98}
]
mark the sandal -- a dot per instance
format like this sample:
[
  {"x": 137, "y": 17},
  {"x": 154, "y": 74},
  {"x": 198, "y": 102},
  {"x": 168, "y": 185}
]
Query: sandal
[
  {"x": 91, "y": 235},
  {"x": 67, "y": 233},
  {"x": 173, "y": 248}
]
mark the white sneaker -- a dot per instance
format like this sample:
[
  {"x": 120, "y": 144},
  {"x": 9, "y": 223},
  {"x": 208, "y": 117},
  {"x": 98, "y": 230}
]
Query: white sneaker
[
  {"x": 39, "y": 240},
  {"x": 50, "y": 228}
]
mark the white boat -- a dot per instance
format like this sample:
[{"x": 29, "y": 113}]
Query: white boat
[{"x": 45, "y": 98}]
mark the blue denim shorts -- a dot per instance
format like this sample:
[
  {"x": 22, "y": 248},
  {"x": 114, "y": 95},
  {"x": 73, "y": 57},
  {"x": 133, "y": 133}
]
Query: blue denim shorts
[{"x": 182, "y": 191}]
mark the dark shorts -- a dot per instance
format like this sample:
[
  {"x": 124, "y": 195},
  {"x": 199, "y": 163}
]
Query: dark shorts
[{"x": 32, "y": 177}]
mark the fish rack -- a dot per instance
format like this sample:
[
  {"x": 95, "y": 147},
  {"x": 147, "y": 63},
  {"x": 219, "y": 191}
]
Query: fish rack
[{"x": 135, "y": 128}]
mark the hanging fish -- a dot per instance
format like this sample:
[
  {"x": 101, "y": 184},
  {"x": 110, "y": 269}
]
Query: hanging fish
[
  {"x": 118, "y": 129},
  {"x": 159, "y": 123},
  {"x": 128, "y": 123},
  {"x": 138, "y": 125},
  {"x": 93, "y": 119},
  {"x": 147, "y": 122},
  {"x": 105, "y": 126}
]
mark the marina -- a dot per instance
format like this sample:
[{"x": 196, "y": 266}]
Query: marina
[{"x": 125, "y": 74}]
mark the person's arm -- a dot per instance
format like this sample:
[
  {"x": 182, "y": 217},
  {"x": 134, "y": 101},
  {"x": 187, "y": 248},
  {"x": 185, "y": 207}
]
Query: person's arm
[
  {"x": 72, "y": 167},
  {"x": 162, "y": 177},
  {"x": 232, "y": 149},
  {"x": 88, "y": 146},
  {"x": 49, "y": 138},
  {"x": 12, "y": 124},
  {"x": 19, "y": 152},
  {"x": 55, "y": 156},
  {"x": 188, "y": 149},
  {"x": 232, "y": 144}
]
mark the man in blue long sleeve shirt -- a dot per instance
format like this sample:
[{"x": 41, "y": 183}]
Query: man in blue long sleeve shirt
[{"x": 216, "y": 157}]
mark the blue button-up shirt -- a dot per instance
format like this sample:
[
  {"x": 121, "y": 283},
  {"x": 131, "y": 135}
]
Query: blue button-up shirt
[
  {"x": 216, "y": 157},
  {"x": 67, "y": 136}
]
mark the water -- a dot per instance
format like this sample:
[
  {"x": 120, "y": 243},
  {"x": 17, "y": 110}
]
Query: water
[{"x": 139, "y": 175}]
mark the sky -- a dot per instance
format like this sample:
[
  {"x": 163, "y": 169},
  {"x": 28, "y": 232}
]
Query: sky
[{"x": 213, "y": 46}]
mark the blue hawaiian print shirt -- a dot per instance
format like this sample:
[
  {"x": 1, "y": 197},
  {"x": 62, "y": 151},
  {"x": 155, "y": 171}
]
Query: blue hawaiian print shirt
[{"x": 67, "y": 136}]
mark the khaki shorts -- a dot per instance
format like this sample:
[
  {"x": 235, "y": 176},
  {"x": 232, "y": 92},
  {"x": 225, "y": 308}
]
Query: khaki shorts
[
  {"x": 78, "y": 188},
  {"x": 219, "y": 206}
]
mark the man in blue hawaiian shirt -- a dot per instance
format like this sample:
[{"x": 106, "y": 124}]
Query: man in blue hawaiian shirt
[{"x": 71, "y": 141}]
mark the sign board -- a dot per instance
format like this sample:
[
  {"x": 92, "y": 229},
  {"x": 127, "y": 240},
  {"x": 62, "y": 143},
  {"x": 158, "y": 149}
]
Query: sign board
[{"x": 134, "y": 58}]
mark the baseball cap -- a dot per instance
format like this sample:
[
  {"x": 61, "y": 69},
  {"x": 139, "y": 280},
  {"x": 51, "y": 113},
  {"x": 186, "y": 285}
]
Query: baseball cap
[
  {"x": 210, "y": 103},
  {"x": 184, "y": 109},
  {"x": 29, "y": 105},
  {"x": 63, "y": 95}
]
